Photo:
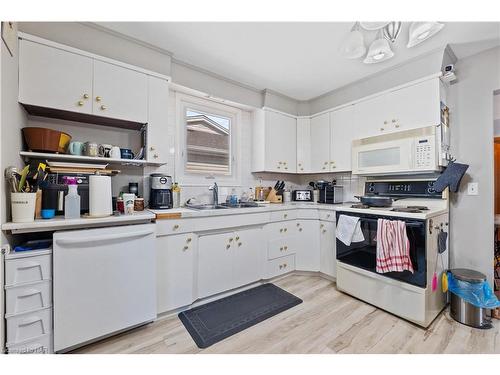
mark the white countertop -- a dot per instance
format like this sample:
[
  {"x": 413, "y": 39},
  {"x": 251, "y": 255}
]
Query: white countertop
[{"x": 60, "y": 223}]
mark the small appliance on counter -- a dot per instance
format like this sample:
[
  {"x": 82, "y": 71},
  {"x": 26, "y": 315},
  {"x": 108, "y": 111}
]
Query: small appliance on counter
[
  {"x": 302, "y": 195},
  {"x": 331, "y": 194},
  {"x": 161, "y": 191},
  {"x": 54, "y": 191}
]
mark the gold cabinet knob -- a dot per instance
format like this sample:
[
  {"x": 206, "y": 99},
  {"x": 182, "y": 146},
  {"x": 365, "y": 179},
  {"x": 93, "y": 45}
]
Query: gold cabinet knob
[
  {"x": 286, "y": 167},
  {"x": 281, "y": 230},
  {"x": 281, "y": 266},
  {"x": 285, "y": 229},
  {"x": 397, "y": 125},
  {"x": 237, "y": 238},
  {"x": 300, "y": 164},
  {"x": 189, "y": 240},
  {"x": 97, "y": 98},
  {"x": 151, "y": 148},
  {"x": 298, "y": 224},
  {"x": 382, "y": 129},
  {"x": 393, "y": 120},
  {"x": 322, "y": 225},
  {"x": 301, "y": 169},
  {"x": 284, "y": 265},
  {"x": 286, "y": 248},
  {"x": 155, "y": 156},
  {"x": 324, "y": 230},
  {"x": 231, "y": 239},
  {"x": 185, "y": 248},
  {"x": 85, "y": 96},
  {"x": 103, "y": 107},
  {"x": 80, "y": 103},
  {"x": 278, "y": 167},
  {"x": 323, "y": 168},
  {"x": 385, "y": 122},
  {"x": 285, "y": 216},
  {"x": 300, "y": 229},
  {"x": 281, "y": 248},
  {"x": 239, "y": 244},
  {"x": 176, "y": 226},
  {"x": 327, "y": 215},
  {"x": 228, "y": 246},
  {"x": 326, "y": 162}
]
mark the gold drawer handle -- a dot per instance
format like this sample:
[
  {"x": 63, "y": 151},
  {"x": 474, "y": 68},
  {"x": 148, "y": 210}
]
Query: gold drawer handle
[
  {"x": 285, "y": 229},
  {"x": 228, "y": 246},
  {"x": 286, "y": 248},
  {"x": 285, "y": 216},
  {"x": 185, "y": 248},
  {"x": 231, "y": 239},
  {"x": 324, "y": 230},
  {"x": 176, "y": 226},
  {"x": 98, "y": 98},
  {"x": 189, "y": 240},
  {"x": 103, "y": 107},
  {"x": 281, "y": 230},
  {"x": 281, "y": 248},
  {"x": 80, "y": 103},
  {"x": 237, "y": 238},
  {"x": 85, "y": 96},
  {"x": 300, "y": 229},
  {"x": 239, "y": 244}
]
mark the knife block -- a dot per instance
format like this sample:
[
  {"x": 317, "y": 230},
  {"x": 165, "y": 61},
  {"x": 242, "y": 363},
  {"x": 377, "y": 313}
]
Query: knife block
[{"x": 273, "y": 197}]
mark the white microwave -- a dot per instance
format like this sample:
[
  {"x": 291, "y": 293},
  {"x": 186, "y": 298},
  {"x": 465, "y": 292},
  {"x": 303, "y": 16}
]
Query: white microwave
[{"x": 422, "y": 150}]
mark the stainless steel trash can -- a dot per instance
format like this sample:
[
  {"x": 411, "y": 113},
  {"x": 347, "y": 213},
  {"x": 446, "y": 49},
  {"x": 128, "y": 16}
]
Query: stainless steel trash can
[{"x": 461, "y": 310}]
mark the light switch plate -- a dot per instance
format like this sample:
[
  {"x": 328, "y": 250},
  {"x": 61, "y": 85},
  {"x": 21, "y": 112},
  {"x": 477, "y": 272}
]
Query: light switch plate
[{"x": 472, "y": 188}]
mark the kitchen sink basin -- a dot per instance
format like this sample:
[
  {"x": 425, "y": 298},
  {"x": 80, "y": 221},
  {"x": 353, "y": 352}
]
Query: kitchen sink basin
[{"x": 207, "y": 207}]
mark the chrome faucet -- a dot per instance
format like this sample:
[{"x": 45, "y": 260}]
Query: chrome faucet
[{"x": 215, "y": 191}]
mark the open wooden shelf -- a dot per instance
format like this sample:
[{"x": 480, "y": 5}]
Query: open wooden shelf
[{"x": 89, "y": 159}]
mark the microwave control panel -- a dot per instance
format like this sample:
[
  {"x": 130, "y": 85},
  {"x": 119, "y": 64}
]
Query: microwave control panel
[{"x": 425, "y": 153}]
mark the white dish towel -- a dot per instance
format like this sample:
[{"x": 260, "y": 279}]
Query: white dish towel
[{"x": 349, "y": 229}]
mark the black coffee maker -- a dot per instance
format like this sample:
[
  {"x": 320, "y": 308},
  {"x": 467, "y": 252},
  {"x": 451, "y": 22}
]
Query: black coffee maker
[{"x": 161, "y": 191}]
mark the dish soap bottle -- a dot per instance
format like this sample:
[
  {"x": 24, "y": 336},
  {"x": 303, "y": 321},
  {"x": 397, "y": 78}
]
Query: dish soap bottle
[
  {"x": 71, "y": 200},
  {"x": 176, "y": 195}
]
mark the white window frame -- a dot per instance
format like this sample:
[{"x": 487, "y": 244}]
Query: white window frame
[{"x": 183, "y": 102}]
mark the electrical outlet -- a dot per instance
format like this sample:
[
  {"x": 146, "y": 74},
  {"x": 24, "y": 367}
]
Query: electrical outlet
[{"x": 472, "y": 188}]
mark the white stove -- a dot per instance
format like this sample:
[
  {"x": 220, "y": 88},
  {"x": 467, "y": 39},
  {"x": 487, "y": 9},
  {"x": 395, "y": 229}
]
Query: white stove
[{"x": 408, "y": 295}]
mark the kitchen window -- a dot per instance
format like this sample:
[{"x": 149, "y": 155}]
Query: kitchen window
[{"x": 208, "y": 141}]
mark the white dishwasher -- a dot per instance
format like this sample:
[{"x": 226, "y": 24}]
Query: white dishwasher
[{"x": 104, "y": 282}]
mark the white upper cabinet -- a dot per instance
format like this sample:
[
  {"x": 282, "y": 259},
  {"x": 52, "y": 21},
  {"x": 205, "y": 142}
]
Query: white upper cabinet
[
  {"x": 320, "y": 143},
  {"x": 157, "y": 129},
  {"x": 53, "y": 78},
  {"x": 303, "y": 145},
  {"x": 342, "y": 132},
  {"x": 410, "y": 107},
  {"x": 119, "y": 93},
  {"x": 274, "y": 142}
]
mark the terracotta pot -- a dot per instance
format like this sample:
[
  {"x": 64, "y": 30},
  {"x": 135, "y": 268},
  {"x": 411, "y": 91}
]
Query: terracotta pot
[{"x": 46, "y": 140}]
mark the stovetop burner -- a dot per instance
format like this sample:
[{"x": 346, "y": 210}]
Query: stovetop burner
[{"x": 360, "y": 205}]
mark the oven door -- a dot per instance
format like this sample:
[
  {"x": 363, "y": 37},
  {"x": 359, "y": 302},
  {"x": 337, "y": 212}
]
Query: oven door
[{"x": 363, "y": 254}]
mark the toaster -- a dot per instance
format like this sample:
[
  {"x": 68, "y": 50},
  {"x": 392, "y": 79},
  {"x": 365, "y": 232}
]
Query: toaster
[{"x": 302, "y": 196}]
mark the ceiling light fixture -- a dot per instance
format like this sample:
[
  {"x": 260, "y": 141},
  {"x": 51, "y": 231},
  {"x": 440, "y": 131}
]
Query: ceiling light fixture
[
  {"x": 392, "y": 31},
  {"x": 420, "y": 31},
  {"x": 354, "y": 46},
  {"x": 379, "y": 50},
  {"x": 370, "y": 26}
]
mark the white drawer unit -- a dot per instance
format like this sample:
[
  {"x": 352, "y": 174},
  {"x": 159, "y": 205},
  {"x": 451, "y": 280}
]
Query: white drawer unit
[
  {"x": 327, "y": 215},
  {"x": 40, "y": 345},
  {"x": 281, "y": 247},
  {"x": 283, "y": 215},
  {"x": 28, "y": 297},
  {"x": 167, "y": 227},
  {"x": 23, "y": 327},
  {"x": 280, "y": 266},
  {"x": 28, "y": 269},
  {"x": 279, "y": 229}
]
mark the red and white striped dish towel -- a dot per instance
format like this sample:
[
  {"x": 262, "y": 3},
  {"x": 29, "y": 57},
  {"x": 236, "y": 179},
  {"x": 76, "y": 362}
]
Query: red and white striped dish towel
[{"x": 393, "y": 247}]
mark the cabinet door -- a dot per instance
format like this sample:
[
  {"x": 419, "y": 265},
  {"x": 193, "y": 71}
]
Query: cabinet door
[
  {"x": 370, "y": 117},
  {"x": 320, "y": 143},
  {"x": 175, "y": 271},
  {"x": 342, "y": 130},
  {"x": 52, "y": 78},
  {"x": 248, "y": 256},
  {"x": 327, "y": 246},
  {"x": 215, "y": 263},
  {"x": 307, "y": 257},
  {"x": 303, "y": 145},
  {"x": 120, "y": 93},
  {"x": 157, "y": 129},
  {"x": 415, "y": 106},
  {"x": 281, "y": 142}
]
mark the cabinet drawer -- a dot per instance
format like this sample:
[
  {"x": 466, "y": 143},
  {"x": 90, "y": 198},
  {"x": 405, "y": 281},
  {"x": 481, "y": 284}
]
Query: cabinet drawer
[
  {"x": 281, "y": 247},
  {"x": 280, "y": 229},
  {"x": 280, "y": 266},
  {"x": 283, "y": 215},
  {"x": 40, "y": 345},
  {"x": 29, "y": 326},
  {"x": 28, "y": 270},
  {"x": 327, "y": 215},
  {"x": 167, "y": 227},
  {"x": 28, "y": 297}
]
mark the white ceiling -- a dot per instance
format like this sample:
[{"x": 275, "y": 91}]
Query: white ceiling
[{"x": 298, "y": 59}]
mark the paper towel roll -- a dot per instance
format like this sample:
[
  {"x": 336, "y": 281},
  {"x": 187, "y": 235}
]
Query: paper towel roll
[{"x": 100, "y": 203}]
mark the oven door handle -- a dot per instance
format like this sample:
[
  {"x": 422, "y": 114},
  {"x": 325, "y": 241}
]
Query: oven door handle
[{"x": 413, "y": 224}]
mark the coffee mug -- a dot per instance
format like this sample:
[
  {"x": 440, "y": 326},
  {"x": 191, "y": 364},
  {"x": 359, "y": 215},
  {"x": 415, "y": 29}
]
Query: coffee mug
[
  {"x": 104, "y": 150},
  {"x": 115, "y": 152},
  {"x": 126, "y": 153},
  {"x": 75, "y": 148},
  {"x": 90, "y": 149}
]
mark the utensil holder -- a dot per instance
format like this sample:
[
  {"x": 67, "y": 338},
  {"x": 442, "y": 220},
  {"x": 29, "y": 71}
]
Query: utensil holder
[{"x": 23, "y": 207}]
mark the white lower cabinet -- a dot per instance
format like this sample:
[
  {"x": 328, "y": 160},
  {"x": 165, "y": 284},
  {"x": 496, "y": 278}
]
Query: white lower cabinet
[
  {"x": 327, "y": 248},
  {"x": 175, "y": 264},
  {"x": 307, "y": 257},
  {"x": 228, "y": 260}
]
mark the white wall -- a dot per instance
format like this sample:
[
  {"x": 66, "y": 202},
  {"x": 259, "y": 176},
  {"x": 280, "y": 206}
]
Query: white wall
[
  {"x": 496, "y": 115},
  {"x": 471, "y": 118}
]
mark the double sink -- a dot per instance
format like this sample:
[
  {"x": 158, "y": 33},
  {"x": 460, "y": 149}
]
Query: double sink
[{"x": 223, "y": 206}]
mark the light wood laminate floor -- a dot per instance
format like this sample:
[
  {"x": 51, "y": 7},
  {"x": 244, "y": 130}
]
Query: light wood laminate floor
[{"x": 328, "y": 321}]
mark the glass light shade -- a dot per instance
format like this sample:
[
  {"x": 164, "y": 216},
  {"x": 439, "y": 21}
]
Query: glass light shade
[
  {"x": 379, "y": 51},
  {"x": 391, "y": 31},
  {"x": 373, "y": 25},
  {"x": 354, "y": 46},
  {"x": 420, "y": 31}
]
